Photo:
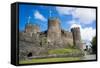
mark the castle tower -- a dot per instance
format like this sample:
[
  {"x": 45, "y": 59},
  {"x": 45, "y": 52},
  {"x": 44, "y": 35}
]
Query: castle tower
[
  {"x": 76, "y": 37},
  {"x": 54, "y": 30},
  {"x": 30, "y": 28}
]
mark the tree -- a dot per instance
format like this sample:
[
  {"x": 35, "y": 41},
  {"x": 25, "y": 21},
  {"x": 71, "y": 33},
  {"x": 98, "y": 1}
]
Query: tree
[{"x": 94, "y": 45}]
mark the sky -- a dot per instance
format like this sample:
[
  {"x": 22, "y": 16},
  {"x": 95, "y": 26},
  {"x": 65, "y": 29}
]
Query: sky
[{"x": 70, "y": 17}]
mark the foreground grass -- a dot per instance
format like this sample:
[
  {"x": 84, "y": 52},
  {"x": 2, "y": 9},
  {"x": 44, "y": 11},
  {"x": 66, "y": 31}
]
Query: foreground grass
[
  {"x": 44, "y": 60},
  {"x": 64, "y": 51}
]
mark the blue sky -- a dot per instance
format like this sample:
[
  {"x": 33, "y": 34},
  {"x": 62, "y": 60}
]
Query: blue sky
[
  {"x": 29, "y": 10},
  {"x": 69, "y": 17}
]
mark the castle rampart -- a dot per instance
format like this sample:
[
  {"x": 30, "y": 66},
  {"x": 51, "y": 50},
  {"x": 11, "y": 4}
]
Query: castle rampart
[{"x": 33, "y": 41}]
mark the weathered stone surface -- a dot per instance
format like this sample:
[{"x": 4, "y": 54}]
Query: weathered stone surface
[
  {"x": 54, "y": 30},
  {"x": 33, "y": 43},
  {"x": 77, "y": 37}
]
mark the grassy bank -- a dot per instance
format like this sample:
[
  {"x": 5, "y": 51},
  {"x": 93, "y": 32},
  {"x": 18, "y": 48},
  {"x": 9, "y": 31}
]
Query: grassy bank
[
  {"x": 49, "y": 60},
  {"x": 64, "y": 51}
]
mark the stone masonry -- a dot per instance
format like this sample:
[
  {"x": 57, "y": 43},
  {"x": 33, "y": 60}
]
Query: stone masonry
[{"x": 33, "y": 42}]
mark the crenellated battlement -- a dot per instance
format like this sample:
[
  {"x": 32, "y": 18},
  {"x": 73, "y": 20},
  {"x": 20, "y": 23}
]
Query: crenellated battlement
[{"x": 32, "y": 28}]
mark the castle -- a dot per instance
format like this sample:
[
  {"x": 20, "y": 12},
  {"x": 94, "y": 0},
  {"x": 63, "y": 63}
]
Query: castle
[{"x": 33, "y": 41}]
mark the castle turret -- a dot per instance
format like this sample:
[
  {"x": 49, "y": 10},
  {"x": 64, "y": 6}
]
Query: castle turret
[
  {"x": 30, "y": 28},
  {"x": 76, "y": 37},
  {"x": 54, "y": 30}
]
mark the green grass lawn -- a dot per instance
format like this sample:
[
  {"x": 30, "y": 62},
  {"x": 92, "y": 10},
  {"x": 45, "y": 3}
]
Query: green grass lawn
[
  {"x": 44, "y": 60},
  {"x": 64, "y": 51}
]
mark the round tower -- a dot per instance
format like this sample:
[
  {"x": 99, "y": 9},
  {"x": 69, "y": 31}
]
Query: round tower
[
  {"x": 76, "y": 37},
  {"x": 54, "y": 30},
  {"x": 30, "y": 28}
]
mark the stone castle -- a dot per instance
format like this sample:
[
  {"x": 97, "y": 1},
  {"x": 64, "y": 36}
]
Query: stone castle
[{"x": 33, "y": 41}]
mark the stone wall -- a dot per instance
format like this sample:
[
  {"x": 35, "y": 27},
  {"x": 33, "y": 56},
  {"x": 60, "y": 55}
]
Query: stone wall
[
  {"x": 54, "y": 30},
  {"x": 67, "y": 38},
  {"x": 32, "y": 42},
  {"x": 77, "y": 37}
]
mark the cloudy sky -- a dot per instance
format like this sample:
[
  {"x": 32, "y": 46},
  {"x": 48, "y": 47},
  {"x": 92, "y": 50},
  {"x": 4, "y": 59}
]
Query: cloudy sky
[{"x": 70, "y": 17}]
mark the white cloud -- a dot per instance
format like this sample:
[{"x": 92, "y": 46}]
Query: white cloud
[
  {"x": 84, "y": 15},
  {"x": 39, "y": 16},
  {"x": 80, "y": 16},
  {"x": 87, "y": 33},
  {"x": 65, "y": 10},
  {"x": 73, "y": 24}
]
